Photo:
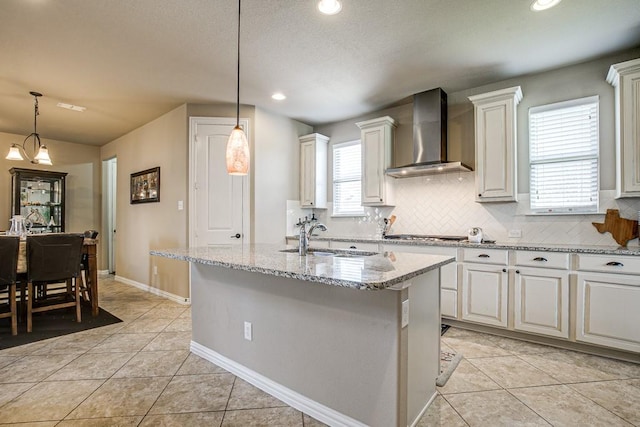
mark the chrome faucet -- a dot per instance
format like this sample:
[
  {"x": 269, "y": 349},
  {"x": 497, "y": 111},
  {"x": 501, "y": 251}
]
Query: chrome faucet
[{"x": 303, "y": 245}]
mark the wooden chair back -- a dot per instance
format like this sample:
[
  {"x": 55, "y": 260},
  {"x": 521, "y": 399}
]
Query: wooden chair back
[{"x": 54, "y": 257}]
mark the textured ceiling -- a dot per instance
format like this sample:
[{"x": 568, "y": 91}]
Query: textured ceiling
[{"x": 130, "y": 61}]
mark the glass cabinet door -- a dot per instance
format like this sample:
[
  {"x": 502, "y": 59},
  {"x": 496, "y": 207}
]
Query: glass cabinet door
[{"x": 39, "y": 197}]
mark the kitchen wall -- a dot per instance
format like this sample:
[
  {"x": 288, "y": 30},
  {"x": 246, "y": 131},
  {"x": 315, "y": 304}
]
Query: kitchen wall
[
  {"x": 147, "y": 226},
  {"x": 83, "y": 193},
  {"x": 277, "y": 172},
  {"x": 444, "y": 204},
  {"x": 164, "y": 142}
]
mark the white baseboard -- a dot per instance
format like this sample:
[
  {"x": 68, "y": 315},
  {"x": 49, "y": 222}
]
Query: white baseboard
[
  {"x": 154, "y": 291},
  {"x": 294, "y": 399}
]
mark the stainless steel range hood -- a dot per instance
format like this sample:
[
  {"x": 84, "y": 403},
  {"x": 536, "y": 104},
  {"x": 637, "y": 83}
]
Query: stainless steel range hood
[{"x": 429, "y": 138}]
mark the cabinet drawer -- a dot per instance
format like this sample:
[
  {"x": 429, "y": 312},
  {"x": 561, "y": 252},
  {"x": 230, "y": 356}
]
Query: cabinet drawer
[
  {"x": 355, "y": 245},
  {"x": 609, "y": 263},
  {"x": 542, "y": 259},
  {"x": 485, "y": 256}
]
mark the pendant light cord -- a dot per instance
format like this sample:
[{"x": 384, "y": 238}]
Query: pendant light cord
[{"x": 238, "y": 82}]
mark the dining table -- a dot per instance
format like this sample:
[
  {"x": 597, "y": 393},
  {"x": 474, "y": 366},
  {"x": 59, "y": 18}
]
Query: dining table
[{"x": 89, "y": 248}]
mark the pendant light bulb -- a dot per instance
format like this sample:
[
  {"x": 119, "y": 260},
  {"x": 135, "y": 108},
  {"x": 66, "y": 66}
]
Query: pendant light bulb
[{"x": 237, "y": 152}]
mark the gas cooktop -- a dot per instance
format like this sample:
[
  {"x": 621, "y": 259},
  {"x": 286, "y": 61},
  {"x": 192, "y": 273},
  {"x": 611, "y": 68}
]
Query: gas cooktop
[{"x": 429, "y": 237}]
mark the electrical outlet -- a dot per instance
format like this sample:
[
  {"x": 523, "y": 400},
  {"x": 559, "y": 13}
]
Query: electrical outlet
[
  {"x": 248, "y": 331},
  {"x": 180, "y": 205},
  {"x": 405, "y": 313},
  {"x": 515, "y": 233},
  {"x": 155, "y": 269}
]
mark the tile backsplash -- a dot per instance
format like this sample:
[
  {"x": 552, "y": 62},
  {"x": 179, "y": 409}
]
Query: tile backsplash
[{"x": 445, "y": 204}]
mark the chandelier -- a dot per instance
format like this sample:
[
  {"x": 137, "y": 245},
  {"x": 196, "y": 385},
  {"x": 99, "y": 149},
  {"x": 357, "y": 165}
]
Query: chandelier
[{"x": 40, "y": 153}]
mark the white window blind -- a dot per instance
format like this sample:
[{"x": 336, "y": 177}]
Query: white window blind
[
  {"x": 563, "y": 156},
  {"x": 347, "y": 174}
]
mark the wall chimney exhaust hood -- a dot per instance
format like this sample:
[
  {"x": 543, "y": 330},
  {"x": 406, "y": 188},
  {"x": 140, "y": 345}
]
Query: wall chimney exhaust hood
[{"x": 429, "y": 138}]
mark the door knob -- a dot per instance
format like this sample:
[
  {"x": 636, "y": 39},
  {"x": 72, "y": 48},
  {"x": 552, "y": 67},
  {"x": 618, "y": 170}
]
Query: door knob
[{"x": 236, "y": 236}]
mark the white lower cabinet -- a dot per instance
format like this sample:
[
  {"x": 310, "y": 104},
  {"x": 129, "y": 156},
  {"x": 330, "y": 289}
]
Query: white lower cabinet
[
  {"x": 484, "y": 294},
  {"x": 608, "y": 310},
  {"x": 541, "y": 301},
  {"x": 448, "y": 275}
]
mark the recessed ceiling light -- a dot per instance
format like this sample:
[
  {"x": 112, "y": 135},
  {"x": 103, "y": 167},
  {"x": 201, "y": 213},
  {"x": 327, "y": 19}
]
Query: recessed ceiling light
[
  {"x": 539, "y": 5},
  {"x": 71, "y": 107},
  {"x": 329, "y": 7},
  {"x": 278, "y": 96}
]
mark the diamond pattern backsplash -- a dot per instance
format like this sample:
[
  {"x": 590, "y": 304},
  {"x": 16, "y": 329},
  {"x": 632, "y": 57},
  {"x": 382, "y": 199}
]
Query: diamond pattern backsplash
[{"x": 445, "y": 204}]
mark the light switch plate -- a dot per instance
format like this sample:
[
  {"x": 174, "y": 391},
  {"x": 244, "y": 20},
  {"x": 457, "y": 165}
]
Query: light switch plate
[
  {"x": 180, "y": 205},
  {"x": 248, "y": 331},
  {"x": 405, "y": 313},
  {"x": 515, "y": 233}
]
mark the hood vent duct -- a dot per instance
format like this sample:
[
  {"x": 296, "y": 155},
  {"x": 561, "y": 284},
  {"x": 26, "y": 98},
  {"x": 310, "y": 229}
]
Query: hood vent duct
[{"x": 429, "y": 138}]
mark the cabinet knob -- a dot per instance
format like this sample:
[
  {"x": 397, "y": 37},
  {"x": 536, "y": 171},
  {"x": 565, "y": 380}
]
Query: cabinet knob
[
  {"x": 236, "y": 236},
  {"x": 311, "y": 203},
  {"x": 380, "y": 198},
  {"x": 615, "y": 264},
  {"x": 352, "y": 247},
  {"x": 479, "y": 195},
  {"x": 504, "y": 270},
  {"x": 517, "y": 271},
  {"x": 541, "y": 259},
  {"x": 484, "y": 256}
]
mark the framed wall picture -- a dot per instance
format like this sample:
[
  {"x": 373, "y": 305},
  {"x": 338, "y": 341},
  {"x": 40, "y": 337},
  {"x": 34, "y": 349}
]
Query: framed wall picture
[{"x": 145, "y": 186}]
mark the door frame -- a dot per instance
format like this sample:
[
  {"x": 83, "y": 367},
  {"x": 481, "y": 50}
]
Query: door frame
[
  {"x": 110, "y": 182},
  {"x": 194, "y": 122}
]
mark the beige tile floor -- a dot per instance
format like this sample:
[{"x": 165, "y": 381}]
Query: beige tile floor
[{"x": 140, "y": 373}]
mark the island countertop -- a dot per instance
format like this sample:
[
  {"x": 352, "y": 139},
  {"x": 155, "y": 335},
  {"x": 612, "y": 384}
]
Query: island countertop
[{"x": 347, "y": 268}]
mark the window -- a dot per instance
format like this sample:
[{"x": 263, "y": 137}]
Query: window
[
  {"x": 347, "y": 174},
  {"x": 563, "y": 157}
]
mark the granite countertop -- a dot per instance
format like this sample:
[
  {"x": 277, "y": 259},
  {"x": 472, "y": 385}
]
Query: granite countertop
[
  {"x": 379, "y": 271},
  {"x": 520, "y": 246}
]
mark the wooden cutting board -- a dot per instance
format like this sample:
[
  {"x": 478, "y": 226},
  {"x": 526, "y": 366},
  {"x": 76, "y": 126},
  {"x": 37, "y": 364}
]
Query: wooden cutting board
[{"x": 621, "y": 229}]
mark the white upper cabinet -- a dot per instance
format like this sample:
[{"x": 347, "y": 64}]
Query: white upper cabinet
[
  {"x": 495, "y": 131},
  {"x": 377, "y": 148},
  {"x": 313, "y": 171},
  {"x": 625, "y": 78}
]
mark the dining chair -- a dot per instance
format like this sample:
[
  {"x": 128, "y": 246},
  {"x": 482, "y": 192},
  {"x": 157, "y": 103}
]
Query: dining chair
[
  {"x": 85, "y": 288},
  {"x": 9, "y": 249},
  {"x": 53, "y": 259}
]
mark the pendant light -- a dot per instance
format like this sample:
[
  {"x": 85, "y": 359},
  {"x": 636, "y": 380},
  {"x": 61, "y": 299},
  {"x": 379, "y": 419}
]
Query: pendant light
[
  {"x": 40, "y": 152},
  {"x": 238, "y": 147}
]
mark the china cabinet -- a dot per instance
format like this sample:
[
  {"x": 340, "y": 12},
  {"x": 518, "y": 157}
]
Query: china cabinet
[{"x": 39, "y": 196}]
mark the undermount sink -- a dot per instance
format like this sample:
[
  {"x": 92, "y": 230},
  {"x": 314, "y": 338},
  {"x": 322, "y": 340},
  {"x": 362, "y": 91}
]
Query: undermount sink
[{"x": 332, "y": 252}]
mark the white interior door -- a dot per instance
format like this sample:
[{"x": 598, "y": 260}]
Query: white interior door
[{"x": 219, "y": 206}]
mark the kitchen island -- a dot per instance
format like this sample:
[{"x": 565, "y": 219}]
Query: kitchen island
[{"x": 349, "y": 338}]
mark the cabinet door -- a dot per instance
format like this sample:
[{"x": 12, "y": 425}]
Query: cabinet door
[
  {"x": 607, "y": 310},
  {"x": 373, "y": 165},
  {"x": 542, "y": 301},
  {"x": 484, "y": 294},
  {"x": 377, "y": 139},
  {"x": 495, "y": 132},
  {"x": 625, "y": 77},
  {"x": 307, "y": 174}
]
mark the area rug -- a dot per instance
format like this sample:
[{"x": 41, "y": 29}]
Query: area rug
[
  {"x": 53, "y": 324},
  {"x": 448, "y": 363}
]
